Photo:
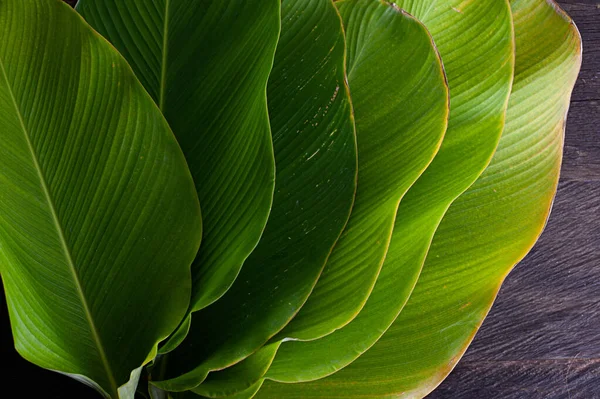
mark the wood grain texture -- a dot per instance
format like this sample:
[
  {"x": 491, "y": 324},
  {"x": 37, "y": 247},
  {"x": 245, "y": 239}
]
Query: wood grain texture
[
  {"x": 582, "y": 146},
  {"x": 568, "y": 379},
  {"x": 542, "y": 337}
]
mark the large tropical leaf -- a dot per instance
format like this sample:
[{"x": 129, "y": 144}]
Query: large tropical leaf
[
  {"x": 206, "y": 64},
  {"x": 479, "y": 96},
  {"x": 315, "y": 149},
  {"x": 422, "y": 67},
  {"x": 485, "y": 232},
  {"x": 99, "y": 220},
  {"x": 401, "y": 103}
]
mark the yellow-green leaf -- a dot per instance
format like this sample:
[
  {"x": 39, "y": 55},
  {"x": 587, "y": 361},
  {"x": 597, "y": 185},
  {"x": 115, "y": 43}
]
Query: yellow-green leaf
[
  {"x": 485, "y": 232},
  {"x": 479, "y": 96}
]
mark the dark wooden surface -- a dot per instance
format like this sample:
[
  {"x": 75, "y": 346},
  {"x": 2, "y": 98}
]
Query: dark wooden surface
[{"x": 542, "y": 337}]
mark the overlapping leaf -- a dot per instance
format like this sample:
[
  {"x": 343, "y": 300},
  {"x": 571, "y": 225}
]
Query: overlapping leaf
[
  {"x": 479, "y": 95},
  {"x": 241, "y": 377},
  {"x": 248, "y": 393},
  {"x": 406, "y": 129},
  {"x": 315, "y": 149},
  {"x": 485, "y": 232},
  {"x": 394, "y": 165},
  {"x": 206, "y": 64},
  {"x": 95, "y": 197},
  {"x": 401, "y": 104}
]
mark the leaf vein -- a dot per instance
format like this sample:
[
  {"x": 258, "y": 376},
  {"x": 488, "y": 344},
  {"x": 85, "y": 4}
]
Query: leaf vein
[{"x": 61, "y": 237}]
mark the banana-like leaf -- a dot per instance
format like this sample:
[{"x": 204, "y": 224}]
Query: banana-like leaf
[
  {"x": 479, "y": 95},
  {"x": 99, "y": 219},
  {"x": 422, "y": 66},
  {"x": 485, "y": 232},
  {"x": 412, "y": 121},
  {"x": 315, "y": 149},
  {"x": 424, "y": 73},
  {"x": 206, "y": 64},
  {"x": 401, "y": 103}
]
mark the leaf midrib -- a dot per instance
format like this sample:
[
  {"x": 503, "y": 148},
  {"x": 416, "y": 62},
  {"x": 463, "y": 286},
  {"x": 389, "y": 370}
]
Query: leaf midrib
[
  {"x": 163, "y": 65},
  {"x": 60, "y": 233}
]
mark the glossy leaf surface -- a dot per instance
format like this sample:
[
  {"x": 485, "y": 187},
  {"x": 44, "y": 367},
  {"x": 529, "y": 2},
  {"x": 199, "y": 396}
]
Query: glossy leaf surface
[
  {"x": 401, "y": 105},
  {"x": 95, "y": 198},
  {"x": 485, "y": 232},
  {"x": 479, "y": 96},
  {"x": 406, "y": 129},
  {"x": 424, "y": 73}
]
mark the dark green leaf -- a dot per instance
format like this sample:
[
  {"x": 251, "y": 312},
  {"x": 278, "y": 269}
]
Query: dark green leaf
[
  {"x": 401, "y": 104},
  {"x": 313, "y": 135},
  {"x": 206, "y": 64}
]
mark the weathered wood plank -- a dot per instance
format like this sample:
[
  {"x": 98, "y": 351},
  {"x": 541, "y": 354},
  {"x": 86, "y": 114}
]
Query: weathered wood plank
[
  {"x": 550, "y": 379},
  {"x": 582, "y": 145},
  {"x": 586, "y": 14}
]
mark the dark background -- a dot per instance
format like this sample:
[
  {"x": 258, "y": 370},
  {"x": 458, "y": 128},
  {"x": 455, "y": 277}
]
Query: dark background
[{"x": 542, "y": 337}]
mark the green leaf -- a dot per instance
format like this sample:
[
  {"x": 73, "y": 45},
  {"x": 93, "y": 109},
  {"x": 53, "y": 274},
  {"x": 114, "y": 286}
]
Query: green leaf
[
  {"x": 239, "y": 377},
  {"x": 315, "y": 149},
  {"x": 248, "y": 393},
  {"x": 206, "y": 63},
  {"x": 424, "y": 77},
  {"x": 401, "y": 105},
  {"x": 485, "y": 232},
  {"x": 99, "y": 219},
  {"x": 479, "y": 95}
]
